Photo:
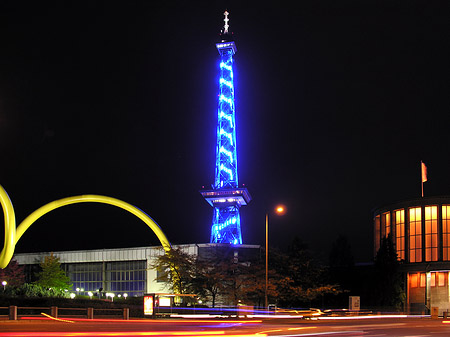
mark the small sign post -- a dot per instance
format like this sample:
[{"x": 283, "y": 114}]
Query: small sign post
[
  {"x": 354, "y": 303},
  {"x": 149, "y": 305}
]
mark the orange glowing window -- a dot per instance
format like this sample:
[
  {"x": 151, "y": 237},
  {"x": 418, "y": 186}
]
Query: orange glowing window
[
  {"x": 413, "y": 280},
  {"x": 441, "y": 277},
  {"x": 415, "y": 234},
  {"x": 385, "y": 224},
  {"x": 399, "y": 222},
  {"x": 433, "y": 280},
  {"x": 431, "y": 233},
  {"x": 423, "y": 280},
  {"x": 376, "y": 235},
  {"x": 446, "y": 232}
]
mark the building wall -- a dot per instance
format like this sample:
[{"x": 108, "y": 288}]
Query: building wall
[
  {"x": 125, "y": 270},
  {"x": 420, "y": 230}
]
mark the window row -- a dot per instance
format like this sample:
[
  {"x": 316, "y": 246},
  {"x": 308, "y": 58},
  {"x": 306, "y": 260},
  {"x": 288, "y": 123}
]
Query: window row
[
  {"x": 423, "y": 230},
  {"x": 437, "y": 279},
  {"x": 109, "y": 276},
  {"x": 86, "y": 276},
  {"x": 83, "y": 267},
  {"x": 132, "y": 288},
  {"x": 87, "y": 286}
]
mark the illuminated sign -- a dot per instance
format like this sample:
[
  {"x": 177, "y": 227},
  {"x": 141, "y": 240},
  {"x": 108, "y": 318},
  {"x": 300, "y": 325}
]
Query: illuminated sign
[
  {"x": 164, "y": 302},
  {"x": 148, "y": 305},
  {"x": 225, "y": 45}
]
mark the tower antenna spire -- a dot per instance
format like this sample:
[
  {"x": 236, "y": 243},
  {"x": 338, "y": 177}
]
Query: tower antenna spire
[
  {"x": 225, "y": 27},
  {"x": 226, "y": 197}
]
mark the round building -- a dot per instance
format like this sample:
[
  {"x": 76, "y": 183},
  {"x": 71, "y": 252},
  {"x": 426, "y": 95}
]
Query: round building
[{"x": 420, "y": 230}]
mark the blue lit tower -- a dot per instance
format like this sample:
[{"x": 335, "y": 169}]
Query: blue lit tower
[{"x": 225, "y": 196}]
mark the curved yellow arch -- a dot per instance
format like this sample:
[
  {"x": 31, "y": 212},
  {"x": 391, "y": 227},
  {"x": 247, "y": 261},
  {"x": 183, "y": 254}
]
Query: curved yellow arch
[{"x": 12, "y": 235}]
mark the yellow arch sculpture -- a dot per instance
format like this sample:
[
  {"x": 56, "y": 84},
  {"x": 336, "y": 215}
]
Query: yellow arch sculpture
[{"x": 12, "y": 235}]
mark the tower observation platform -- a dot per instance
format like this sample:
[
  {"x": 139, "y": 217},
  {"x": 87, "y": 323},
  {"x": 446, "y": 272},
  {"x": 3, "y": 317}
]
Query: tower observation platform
[{"x": 225, "y": 196}]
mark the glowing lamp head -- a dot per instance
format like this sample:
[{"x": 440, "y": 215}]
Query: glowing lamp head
[{"x": 280, "y": 210}]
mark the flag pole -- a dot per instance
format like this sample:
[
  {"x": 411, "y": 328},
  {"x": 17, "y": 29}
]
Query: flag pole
[
  {"x": 421, "y": 175},
  {"x": 422, "y": 187},
  {"x": 423, "y": 171}
]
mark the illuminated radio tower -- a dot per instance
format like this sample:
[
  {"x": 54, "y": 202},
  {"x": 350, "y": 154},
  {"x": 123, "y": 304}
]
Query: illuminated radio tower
[{"x": 225, "y": 196}]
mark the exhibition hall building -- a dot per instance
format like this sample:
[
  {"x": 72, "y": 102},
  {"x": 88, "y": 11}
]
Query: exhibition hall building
[
  {"x": 127, "y": 270},
  {"x": 420, "y": 230}
]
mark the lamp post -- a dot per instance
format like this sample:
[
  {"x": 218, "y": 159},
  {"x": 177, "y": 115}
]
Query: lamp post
[
  {"x": 4, "y": 283},
  {"x": 279, "y": 210},
  {"x": 266, "y": 304}
]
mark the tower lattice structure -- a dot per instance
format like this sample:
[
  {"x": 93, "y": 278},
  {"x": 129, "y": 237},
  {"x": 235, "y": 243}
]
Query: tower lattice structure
[{"x": 225, "y": 196}]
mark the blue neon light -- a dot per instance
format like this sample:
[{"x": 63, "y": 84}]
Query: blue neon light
[
  {"x": 228, "y": 135},
  {"x": 228, "y": 153},
  {"x": 226, "y": 224},
  {"x": 227, "y": 67},
  {"x": 226, "y": 99},
  {"x": 227, "y": 83},
  {"x": 227, "y": 117}
]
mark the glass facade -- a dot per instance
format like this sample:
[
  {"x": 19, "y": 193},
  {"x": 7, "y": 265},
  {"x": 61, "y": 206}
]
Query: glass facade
[
  {"x": 415, "y": 234},
  {"x": 126, "y": 277},
  {"x": 399, "y": 221},
  {"x": 87, "y": 276},
  {"x": 420, "y": 230},
  {"x": 446, "y": 232},
  {"x": 438, "y": 279},
  {"x": 118, "y": 277},
  {"x": 377, "y": 236},
  {"x": 385, "y": 224},
  {"x": 431, "y": 233},
  {"x": 417, "y": 280}
]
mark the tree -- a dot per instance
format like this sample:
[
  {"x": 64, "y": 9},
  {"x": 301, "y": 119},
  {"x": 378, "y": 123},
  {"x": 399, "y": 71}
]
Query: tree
[
  {"x": 254, "y": 283},
  {"x": 300, "y": 279},
  {"x": 209, "y": 279},
  {"x": 13, "y": 274},
  {"x": 176, "y": 269},
  {"x": 388, "y": 278},
  {"x": 234, "y": 277},
  {"x": 342, "y": 264},
  {"x": 52, "y": 276}
]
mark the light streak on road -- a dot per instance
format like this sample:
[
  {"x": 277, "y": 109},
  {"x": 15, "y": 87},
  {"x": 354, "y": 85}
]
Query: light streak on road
[
  {"x": 123, "y": 333},
  {"x": 148, "y": 321},
  {"x": 371, "y": 317},
  {"x": 56, "y": 319}
]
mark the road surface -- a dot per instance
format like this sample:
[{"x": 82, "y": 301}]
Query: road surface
[{"x": 371, "y": 327}]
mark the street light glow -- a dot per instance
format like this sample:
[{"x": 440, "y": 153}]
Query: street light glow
[{"x": 280, "y": 210}]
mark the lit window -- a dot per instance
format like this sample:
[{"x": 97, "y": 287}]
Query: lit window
[
  {"x": 433, "y": 280},
  {"x": 415, "y": 237},
  {"x": 376, "y": 236},
  {"x": 423, "y": 279},
  {"x": 446, "y": 232},
  {"x": 413, "y": 280},
  {"x": 399, "y": 219},
  {"x": 431, "y": 233},
  {"x": 385, "y": 224},
  {"x": 441, "y": 279}
]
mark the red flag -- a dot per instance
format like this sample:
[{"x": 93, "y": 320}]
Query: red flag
[{"x": 424, "y": 171}]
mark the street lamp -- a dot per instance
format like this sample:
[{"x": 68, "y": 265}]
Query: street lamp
[
  {"x": 4, "y": 283},
  {"x": 279, "y": 210}
]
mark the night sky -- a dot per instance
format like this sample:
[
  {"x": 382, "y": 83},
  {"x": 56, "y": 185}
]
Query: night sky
[{"x": 337, "y": 102}]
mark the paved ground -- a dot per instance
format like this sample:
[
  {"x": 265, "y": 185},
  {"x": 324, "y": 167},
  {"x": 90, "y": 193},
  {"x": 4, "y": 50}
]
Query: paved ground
[{"x": 373, "y": 327}]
